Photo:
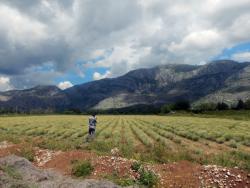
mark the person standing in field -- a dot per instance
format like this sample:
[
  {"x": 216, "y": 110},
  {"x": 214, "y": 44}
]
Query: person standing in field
[{"x": 92, "y": 126}]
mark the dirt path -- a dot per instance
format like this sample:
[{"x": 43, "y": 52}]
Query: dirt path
[{"x": 181, "y": 174}]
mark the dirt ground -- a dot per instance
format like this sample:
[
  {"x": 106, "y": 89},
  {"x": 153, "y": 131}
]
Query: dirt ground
[{"x": 181, "y": 174}]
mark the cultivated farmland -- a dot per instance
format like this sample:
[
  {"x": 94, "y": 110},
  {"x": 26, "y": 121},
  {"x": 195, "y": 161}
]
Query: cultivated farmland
[{"x": 147, "y": 138}]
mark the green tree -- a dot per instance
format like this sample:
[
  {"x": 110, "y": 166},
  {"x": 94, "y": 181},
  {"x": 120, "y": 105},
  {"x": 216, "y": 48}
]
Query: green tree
[
  {"x": 206, "y": 107},
  {"x": 165, "y": 109},
  {"x": 182, "y": 105},
  {"x": 222, "y": 106},
  {"x": 240, "y": 105},
  {"x": 247, "y": 104}
]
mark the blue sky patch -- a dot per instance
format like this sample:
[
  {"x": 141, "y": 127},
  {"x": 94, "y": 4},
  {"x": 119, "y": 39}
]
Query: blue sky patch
[{"x": 229, "y": 52}]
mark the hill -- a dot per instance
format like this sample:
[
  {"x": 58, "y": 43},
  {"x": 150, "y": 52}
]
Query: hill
[{"x": 217, "y": 81}]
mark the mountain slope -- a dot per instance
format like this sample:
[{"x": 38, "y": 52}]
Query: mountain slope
[
  {"x": 37, "y": 99},
  {"x": 220, "y": 80}
]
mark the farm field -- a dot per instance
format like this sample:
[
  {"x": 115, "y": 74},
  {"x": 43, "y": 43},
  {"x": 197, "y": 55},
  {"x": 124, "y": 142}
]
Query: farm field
[{"x": 157, "y": 139}]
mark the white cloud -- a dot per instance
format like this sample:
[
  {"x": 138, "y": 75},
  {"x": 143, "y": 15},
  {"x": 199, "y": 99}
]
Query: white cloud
[
  {"x": 98, "y": 53},
  {"x": 5, "y": 83},
  {"x": 140, "y": 33},
  {"x": 99, "y": 76},
  {"x": 201, "y": 40},
  {"x": 124, "y": 58},
  {"x": 241, "y": 57},
  {"x": 21, "y": 29},
  {"x": 64, "y": 85}
]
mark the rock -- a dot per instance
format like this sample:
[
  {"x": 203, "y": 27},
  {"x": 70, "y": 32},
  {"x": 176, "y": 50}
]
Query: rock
[
  {"x": 5, "y": 144},
  {"x": 115, "y": 152},
  {"x": 30, "y": 176}
]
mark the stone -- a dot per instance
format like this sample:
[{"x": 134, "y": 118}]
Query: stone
[{"x": 32, "y": 176}]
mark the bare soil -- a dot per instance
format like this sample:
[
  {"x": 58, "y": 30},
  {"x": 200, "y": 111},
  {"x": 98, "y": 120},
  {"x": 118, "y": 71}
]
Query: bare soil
[{"x": 180, "y": 174}]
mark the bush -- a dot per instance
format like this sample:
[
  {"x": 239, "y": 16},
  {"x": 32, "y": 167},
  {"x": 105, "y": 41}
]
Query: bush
[
  {"x": 246, "y": 143},
  {"x": 168, "y": 136},
  {"x": 27, "y": 153},
  {"x": 148, "y": 178},
  {"x": 247, "y": 104},
  {"x": 181, "y": 105},
  {"x": 192, "y": 136},
  {"x": 159, "y": 153},
  {"x": 136, "y": 166},
  {"x": 206, "y": 107},
  {"x": 165, "y": 109},
  {"x": 241, "y": 105},
  {"x": 232, "y": 144},
  {"x": 82, "y": 169},
  {"x": 228, "y": 137},
  {"x": 220, "y": 140},
  {"x": 222, "y": 106}
]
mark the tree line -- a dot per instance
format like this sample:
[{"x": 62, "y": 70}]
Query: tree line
[
  {"x": 186, "y": 106},
  {"x": 182, "y": 105}
]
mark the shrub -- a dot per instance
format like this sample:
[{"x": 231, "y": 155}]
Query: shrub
[
  {"x": 192, "y": 136},
  {"x": 206, "y": 107},
  {"x": 168, "y": 136},
  {"x": 27, "y": 153},
  {"x": 159, "y": 153},
  {"x": 222, "y": 106},
  {"x": 82, "y": 169},
  {"x": 147, "y": 177},
  {"x": 181, "y": 105},
  {"x": 240, "y": 105},
  {"x": 136, "y": 166},
  {"x": 232, "y": 144},
  {"x": 246, "y": 143},
  {"x": 247, "y": 104},
  {"x": 177, "y": 140},
  {"x": 165, "y": 109},
  {"x": 220, "y": 140},
  {"x": 228, "y": 137}
]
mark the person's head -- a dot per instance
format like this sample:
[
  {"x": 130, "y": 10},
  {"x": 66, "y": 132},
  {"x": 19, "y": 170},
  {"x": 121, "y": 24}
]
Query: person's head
[{"x": 93, "y": 114}]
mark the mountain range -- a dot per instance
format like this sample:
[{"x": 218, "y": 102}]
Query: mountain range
[{"x": 218, "y": 81}]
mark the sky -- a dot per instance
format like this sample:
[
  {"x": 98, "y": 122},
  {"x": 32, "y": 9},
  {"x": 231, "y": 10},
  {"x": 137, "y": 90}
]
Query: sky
[{"x": 69, "y": 42}]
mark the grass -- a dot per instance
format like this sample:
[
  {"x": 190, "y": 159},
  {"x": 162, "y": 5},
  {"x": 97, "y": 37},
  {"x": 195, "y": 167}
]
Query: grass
[
  {"x": 28, "y": 153},
  {"x": 122, "y": 181},
  {"x": 147, "y": 178},
  {"x": 136, "y": 166},
  {"x": 11, "y": 172},
  {"x": 198, "y": 138},
  {"x": 82, "y": 168}
]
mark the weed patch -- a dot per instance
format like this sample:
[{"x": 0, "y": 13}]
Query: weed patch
[{"x": 82, "y": 169}]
